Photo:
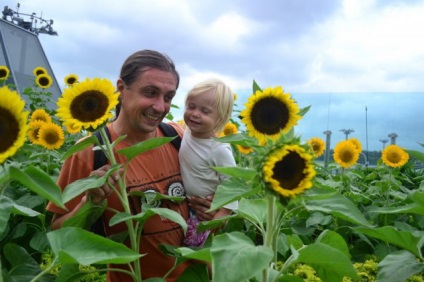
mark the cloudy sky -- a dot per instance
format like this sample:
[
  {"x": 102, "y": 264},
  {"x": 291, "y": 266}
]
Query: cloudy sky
[{"x": 359, "y": 64}]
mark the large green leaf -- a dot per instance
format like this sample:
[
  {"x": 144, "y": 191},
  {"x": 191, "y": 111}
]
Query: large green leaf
[
  {"x": 76, "y": 245},
  {"x": 398, "y": 266},
  {"x": 144, "y": 146},
  {"x": 243, "y": 173},
  {"x": 330, "y": 263},
  {"x": 235, "y": 257},
  {"x": 39, "y": 182},
  {"x": 338, "y": 206},
  {"x": 417, "y": 207},
  {"x": 416, "y": 154},
  {"x": 86, "y": 142},
  {"x": 86, "y": 215},
  {"x": 254, "y": 210},
  {"x": 23, "y": 267},
  {"x": 6, "y": 206},
  {"x": 228, "y": 191},
  {"x": 334, "y": 240},
  {"x": 81, "y": 185},
  {"x": 404, "y": 239},
  {"x": 145, "y": 215}
]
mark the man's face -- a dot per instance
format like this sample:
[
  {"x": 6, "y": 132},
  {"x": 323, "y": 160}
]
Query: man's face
[{"x": 147, "y": 101}]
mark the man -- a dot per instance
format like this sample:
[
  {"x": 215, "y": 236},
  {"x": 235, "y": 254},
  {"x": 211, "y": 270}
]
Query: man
[{"x": 148, "y": 82}]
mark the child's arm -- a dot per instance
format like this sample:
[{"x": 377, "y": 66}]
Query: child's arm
[{"x": 222, "y": 212}]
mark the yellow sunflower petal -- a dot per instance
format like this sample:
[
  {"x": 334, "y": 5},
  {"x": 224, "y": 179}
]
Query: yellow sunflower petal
[
  {"x": 4, "y": 72},
  {"x": 51, "y": 136},
  {"x": 44, "y": 81},
  {"x": 357, "y": 143},
  {"x": 39, "y": 70},
  {"x": 244, "y": 150},
  {"x": 88, "y": 104},
  {"x": 40, "y": 114},
  {"x": 269, "y": 114},
  {"x": 317, "y": 146},
  {"x": 13, "y": 123},
  {"x": 346, "y": 154},
  {"x": 71, "y": 79},
  {"x": 289, "y": 170},
  {"x": 229, "y": 128},
  {"x": 34, "y": 129},
  {"x": 394, "y": 156}
]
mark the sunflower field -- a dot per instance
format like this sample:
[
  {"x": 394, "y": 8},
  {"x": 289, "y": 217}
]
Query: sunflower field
[{"x": 297, "y": 220}]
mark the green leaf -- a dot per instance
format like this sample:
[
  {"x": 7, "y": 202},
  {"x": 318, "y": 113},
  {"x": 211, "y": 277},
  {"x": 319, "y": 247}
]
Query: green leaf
[
  {"x": 255, "y": 87},
  {"x": 338, "y": 206},
  {"x": 330, "y": 263},
  {"x": 203, "y": 254},
  {"x": 254, "y": 210},
  {"x": 86, "y": 215},
  {"x": 87, "y": 142},
  {"x": 416, "y": 154},
  {"x": 235, "y": 257},
  {"x": 403, "y": 239},
  {"x": 303, "y": 111},
  {"x": 244, "y": 173},
  {"x": 76, "y": 245},
  {"x": 195, "y": 272},
  {"x": 398, "y": 266},
  {"x": 333, "y": 239},
  {"x": 6, "y": 206},
  {"x": 144, "y": 146},
  {"x": 237, "y": 139},
  {"x": 145, "y": 215},
  {"x": 39, "y": 182},
  {"x": 22, "y": 266},
  {"x": 78, "y": 187},
  {"x": 228, "y": 191}
]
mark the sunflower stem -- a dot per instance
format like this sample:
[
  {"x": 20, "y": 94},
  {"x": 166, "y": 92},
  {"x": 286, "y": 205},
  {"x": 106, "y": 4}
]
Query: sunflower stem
[
  {"x": 269, "y": 231},
  {"x": 132, "y": 232}
]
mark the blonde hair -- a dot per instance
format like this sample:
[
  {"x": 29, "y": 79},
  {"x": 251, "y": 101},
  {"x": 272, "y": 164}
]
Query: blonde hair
[{"x": 224, "y": 99}]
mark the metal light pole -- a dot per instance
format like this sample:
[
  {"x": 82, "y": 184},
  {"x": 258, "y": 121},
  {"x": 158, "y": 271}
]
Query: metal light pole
[
  {"x": 384, "y": 141},
  {"x": 347, "y": 132},
  {"x": 327, "y": 147}
]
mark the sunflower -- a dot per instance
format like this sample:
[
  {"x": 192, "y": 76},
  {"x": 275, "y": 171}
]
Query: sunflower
[
  {"x": 270, "y": 113},
  {"x": 235, "y": 97},
  {"x": 394, "y": 156},
  {"x": 13, "y": 126},
  {"x": 229, "y": 128},
  {"x": 87, "y": 104},
  {"x": 51, "y": 136},
  {"x": 72, "y": 129},
  {"x": 317, "y": 145},
  {"x": 244, "y": 150},
  {"x": 71, "y": 79},
  {"x": 4, "y": 72},
  {"x": 346, "y": 154},
  {"x": 44, "y": 81},
  {"x": 40, "y": 114},
  {"x": 289, "y": 170},
  {"x": 357, "y": 143},
  {"x": 34, "y": 129},
  {"x": 39, "y": 70},
  {"x": 181, "y": 123}
]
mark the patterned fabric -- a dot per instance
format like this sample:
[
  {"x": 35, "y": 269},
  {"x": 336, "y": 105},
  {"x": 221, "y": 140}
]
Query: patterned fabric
[{"x": 194, "y": 238}]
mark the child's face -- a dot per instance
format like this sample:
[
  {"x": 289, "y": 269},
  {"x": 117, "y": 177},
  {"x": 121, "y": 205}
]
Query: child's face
[{"x": 200, "y": 116}]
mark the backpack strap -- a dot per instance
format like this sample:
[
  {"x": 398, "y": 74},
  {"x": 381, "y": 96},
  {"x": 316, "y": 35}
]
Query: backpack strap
[{"x": 169, "y": 131}]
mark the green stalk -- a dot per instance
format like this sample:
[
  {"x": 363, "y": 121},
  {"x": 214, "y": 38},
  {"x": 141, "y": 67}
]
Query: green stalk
[
  {"x": 269, "y": 231},
  {"x": 124, "y": 200}
]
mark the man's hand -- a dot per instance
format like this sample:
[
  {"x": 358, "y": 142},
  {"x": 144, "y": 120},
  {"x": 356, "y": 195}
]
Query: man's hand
[
  {"x": 99, "y": 194},
  {"x": 200, "y": 206}
]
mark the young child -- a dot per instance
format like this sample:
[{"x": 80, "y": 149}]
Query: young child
[{"x": 208, "y": 108}]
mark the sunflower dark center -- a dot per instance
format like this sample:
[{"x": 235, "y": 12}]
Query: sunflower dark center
[
  {"x": 38, "y": 72},
  {"x": 71, "y": 80},
  {"x": 394, "y": 157},
  {"x": 289, "y": 171},
  {"x": 51, "y": 137},
  {"x": 269, "y": 116},
  {"x": 89, "y": 106},
  {"x": 346, "y": 156},
  {"x": 9, "y": 130},
  {"x": 3, "y": 74},
  {"x": 43, "y": 81}
]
